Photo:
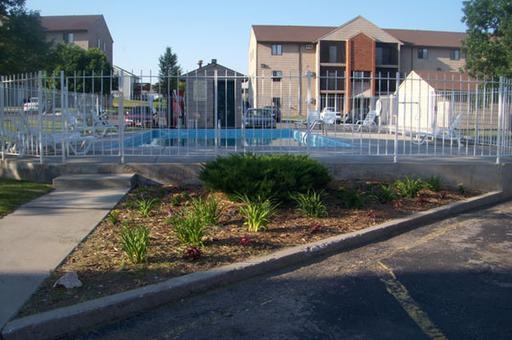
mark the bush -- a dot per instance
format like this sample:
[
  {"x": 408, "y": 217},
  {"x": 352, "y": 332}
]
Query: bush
[
  {"x": 264, "y": 176},
  {"x": 257, "y": 213},
  {"x": 207, "y": 209},
  {"x": 189, "y": 228},
  {"x": 408, "y": 187},
  {"x": 384, "y": 193},
  {"x": 351, "y": 198},
  {"x": 434, "y": 183},
  {"x": 135, "y": 243},
  {"x": 145, "y": 205},
  {"x": 310, "y": 204}
]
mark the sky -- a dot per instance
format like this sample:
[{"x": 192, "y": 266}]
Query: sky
[{"x": 205, "y": 30}]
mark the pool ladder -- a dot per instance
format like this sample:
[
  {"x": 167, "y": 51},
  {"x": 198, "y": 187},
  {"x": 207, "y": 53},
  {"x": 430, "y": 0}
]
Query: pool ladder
[{"x": 310, "y": 128}]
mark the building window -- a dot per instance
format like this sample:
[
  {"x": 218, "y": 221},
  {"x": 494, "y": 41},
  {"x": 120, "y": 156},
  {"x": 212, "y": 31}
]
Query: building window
[
  {"x": 277, "y": 49},
  {"x": 68, "y": 37},
  {"x": 422, "y": 53},
  {"x": 277, "y": 75},
  {"x": 455, "y": 54},
  {"x": 98, "y": 44},
  {"x": 276, "y": 102}
]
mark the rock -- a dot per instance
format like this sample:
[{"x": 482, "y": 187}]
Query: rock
[{"x": 68, "y": 281}]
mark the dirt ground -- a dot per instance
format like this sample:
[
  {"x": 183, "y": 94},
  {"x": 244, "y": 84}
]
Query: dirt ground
[{"x": 104, "y": 269}]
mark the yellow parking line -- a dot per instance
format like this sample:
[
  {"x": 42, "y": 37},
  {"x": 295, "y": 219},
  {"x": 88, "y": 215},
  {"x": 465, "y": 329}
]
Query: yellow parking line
[{"x": 401, "y": 294}]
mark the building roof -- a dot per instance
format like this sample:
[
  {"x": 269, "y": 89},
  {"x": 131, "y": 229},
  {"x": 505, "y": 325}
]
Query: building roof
[
  {"x": 428, "y": 38},
  {"x": 360, "y": 25},
  {"x": 274, "y": 33},
  {"x": 223, "y": 70},
  {"x": 446, "y": 80},
  {"x": 71, "y": 22}
]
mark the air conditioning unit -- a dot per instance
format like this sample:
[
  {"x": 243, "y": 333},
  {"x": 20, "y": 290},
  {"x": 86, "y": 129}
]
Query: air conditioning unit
[{"x": 308, "y": 46}]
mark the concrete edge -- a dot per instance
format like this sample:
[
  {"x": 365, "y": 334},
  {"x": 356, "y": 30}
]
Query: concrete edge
[{"x": 61, "y": 321}]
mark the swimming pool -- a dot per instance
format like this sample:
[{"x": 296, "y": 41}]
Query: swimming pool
[{"x": 231, "y": 138}]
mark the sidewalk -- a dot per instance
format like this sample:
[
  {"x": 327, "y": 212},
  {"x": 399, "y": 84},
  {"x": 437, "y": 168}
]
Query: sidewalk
[{"x": 40, "y": 234}]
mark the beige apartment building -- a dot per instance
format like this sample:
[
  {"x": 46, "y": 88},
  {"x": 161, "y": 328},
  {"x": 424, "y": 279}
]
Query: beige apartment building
[
  {"x": 349, "y": 64},
  {"x": 86, "y": 31}
]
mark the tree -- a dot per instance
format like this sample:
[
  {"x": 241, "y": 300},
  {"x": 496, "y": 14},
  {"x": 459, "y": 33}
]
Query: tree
[
  {"x": 83, "y": 68},
  {"x": 169, "y": 71},
  {"x": 23, "y": 45},
  {"x": 489, "y": 37}
]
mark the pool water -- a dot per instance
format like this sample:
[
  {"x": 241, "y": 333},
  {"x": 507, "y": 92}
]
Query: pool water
[{"x": 230, "y": 138}]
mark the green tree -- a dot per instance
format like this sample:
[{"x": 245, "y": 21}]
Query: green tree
[
  {"x": 23, "y": 46},
  {"x": 169, "y": 71},
  {"x": 83, "y": 68},
  {"x": 488, "y": 45}
]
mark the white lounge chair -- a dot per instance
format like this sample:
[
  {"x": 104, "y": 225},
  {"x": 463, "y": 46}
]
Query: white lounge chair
[
  {"x": 368, "y": 122},
  {"x": 450, "y": 133}
]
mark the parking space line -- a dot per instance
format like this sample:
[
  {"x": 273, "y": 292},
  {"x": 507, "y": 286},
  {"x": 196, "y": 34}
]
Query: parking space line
[{"x": 412, "y": 308}]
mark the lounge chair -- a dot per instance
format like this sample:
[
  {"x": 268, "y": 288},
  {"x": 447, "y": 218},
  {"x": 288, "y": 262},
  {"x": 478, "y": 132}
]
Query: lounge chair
[
  {"x": 368, "y": 122},
  {"x": 450, "y": 133}
]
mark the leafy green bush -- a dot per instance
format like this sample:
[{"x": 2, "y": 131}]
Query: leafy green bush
[
  {"x": 351, "y": 198},
  {"x": 310, "y": 204},
  {"x": 264, "y": 175},
  {"x": 408, "y": 187},
  {"x": 189, "y": 227},
  {"x": 434, "y": 183},
  {"x": 113, "y": 217},
  {"x": 257, "y": 213},
  {"x": 145, "y": 205},
  {"x": 384, "y": 193},
  {"x": 207, "y": 209},
  {"x": 135, "y": 243}
]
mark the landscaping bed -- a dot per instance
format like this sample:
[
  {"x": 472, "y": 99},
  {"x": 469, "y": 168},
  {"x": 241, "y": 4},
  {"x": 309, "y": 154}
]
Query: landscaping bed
[{"x": 104, "y": 268}]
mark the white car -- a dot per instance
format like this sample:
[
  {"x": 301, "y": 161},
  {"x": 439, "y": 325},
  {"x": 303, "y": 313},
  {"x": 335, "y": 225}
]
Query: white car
[
  {"x": 32, "y": 105},
  {"x": 330, "y": 115}
]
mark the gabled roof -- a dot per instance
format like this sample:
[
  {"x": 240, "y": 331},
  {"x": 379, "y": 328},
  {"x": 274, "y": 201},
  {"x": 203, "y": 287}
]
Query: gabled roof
[
  {"x": 446, "y": 80},
  {"x": 272, "y": 33},
  {"x": 72, "y": 23},
  {"x": 428, "y": 38},
  {"x": 214, "y": 65},
  {"x": 360, "y": 25}
]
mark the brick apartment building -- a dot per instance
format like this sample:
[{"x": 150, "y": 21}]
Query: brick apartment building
[
  {"x": 355, "y": 60},
  {"x": 86, "y": 31}
]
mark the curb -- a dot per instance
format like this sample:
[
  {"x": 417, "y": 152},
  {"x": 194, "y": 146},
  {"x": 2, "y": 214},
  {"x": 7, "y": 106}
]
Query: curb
[{"x": 62, "y": 321}]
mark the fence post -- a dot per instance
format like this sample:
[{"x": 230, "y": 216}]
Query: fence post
[
  {"x": 40, "y": 114},
  {"x": 500, "y": 117},
  {"x": 395, "y": 149},
  {"x": 2, "y": 113},
  {"x": 120, "y": 115},
  {"x": 215, "y": 109}
]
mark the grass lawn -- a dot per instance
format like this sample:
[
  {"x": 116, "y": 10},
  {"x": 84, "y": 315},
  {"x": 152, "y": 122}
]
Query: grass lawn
[{"x": 14, "y": 193}]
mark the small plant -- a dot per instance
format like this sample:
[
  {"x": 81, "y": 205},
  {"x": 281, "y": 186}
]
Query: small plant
[
  {"x": 189, "y": 228},
  {"x": 192, "y": 253},
  {"x": 179, "y": 198},
  {"x": 384, "y": 193},
  {"x": 113, "y": 217},
  {"x": 310, "y": 204},
  {"x": 245, "y": 241},
  {"x": 145, "y": 205},
  {"x": 351, "y": 198},
  {"x": 315, "y": 228},
  {"x": 433, "y": 183},
  {"x": 408, "y": 187},
  {"x": 207, "y": 209},
  {"x": 461, "y": 190},
  {"x": 135, "y": 243},
  {"x": 257, "y": 213}
]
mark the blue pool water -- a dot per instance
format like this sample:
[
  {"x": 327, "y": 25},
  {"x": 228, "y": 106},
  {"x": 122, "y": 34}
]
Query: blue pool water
[{"x": 230, "y": 138}]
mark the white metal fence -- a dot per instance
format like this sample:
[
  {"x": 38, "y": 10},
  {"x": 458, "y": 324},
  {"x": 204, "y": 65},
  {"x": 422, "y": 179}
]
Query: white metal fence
[{"x": 203, "y": 113}]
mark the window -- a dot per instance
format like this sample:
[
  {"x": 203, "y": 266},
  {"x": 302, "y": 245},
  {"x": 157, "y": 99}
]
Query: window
[
  {"x": 277, "y": 75},
  {"x": 68, "y": 37},
  {"x": 276, "y": 101},
  {"x": 333, "y": 54},
  {"x": 455, "y": 54},
  {"x": 277, "y": 49},
  {"x": 422, "y": 53},
  {"x": 98, "y": 44}
]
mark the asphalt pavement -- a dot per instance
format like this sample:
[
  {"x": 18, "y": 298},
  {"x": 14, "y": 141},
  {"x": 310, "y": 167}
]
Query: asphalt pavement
[{"x": 447, "y": 280}]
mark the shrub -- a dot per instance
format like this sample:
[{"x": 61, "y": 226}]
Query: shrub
[
  {"x": 433, "y": 183},
  {"x": 207, "y": 209},
  {"x": 264, "y": 176},
  {"x": 113, "y": 217},
  {"x": 257, "y": 213},
  {"x": 351, "y": 198},
  {"x": 145, "y": 205},
  {"x": 189, "y": 228},
  {"x": 135, "y": 243},
  {"x": 385, "y": 193},
  {"x": 408, "y": 187},
  {"x": 310, "y": 204}
]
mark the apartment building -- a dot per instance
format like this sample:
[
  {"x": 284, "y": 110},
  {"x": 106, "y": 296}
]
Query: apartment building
[
  {"x": 350, "y": 64},
  {"x": 86, "y": 31}
]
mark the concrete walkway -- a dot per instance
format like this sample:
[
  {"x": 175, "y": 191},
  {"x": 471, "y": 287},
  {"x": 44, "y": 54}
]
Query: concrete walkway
[{"x": 39, "y": 235}]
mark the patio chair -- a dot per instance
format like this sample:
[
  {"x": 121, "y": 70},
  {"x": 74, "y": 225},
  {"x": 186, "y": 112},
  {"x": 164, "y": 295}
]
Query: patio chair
[
  {"x": 368, "y": 122},
  {"x": 451, "y": 132}
]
